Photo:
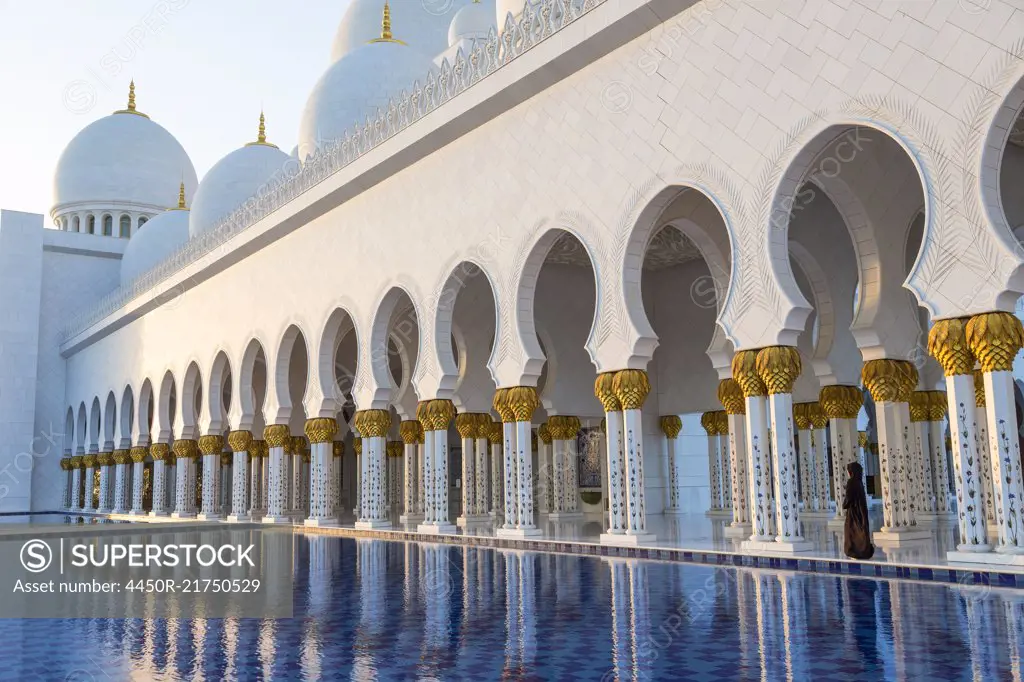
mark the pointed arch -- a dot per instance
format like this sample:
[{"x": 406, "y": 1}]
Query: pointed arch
[
  {"x": 95, "y": 425},
  {"x": 376, "y": 353},
  {"x": 190, "y": 401},
  {"x": 82, "y": 429},
  {"x": 127, "y": 421},
  {"x": 167, "y": 408},
  {"x": 69, "y": 432},
  {"x": 145, "y": 416},
  {"x": 294, "y": 337},
  {"x": 339, "y": 324},
  {"x": 252, "y": 371},
  {"x": 219, "y": 387},
  {"x": 465, "y": 272}
]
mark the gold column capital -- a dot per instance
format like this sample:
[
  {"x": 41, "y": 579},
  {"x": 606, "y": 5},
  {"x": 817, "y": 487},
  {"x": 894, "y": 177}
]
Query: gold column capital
[
  {"x": 77, "y": 463},
  {"x": 886, "y": 380},
  {"x": 778, "y": 367},
  {"x": 816, "y": 415},
  {"x": 862, "y": 438},
  {"x": 731, "y": 396},
  {"x": 801, "y": 417},
  {"x": 89, "y": 461},
  {"x": 744, "y": 371},
  {"x": 185, "y": 448},
  {"x": 722, "y": 422},
  {"x": 631, "y": 388},
  {"x": 211, "y": 444},
  {"x": 496, "y": 433},
  {"x": 544, "y": 431},
  {"x": 604, "y": 390},
  {"x": 276, "y": 435},
  {"x": 321, "y": 429},
  {"x": 240, "y": 441},
  {"x": 338, "y": 448},
  {"x": 841, "y": 402},
  {"x": 947, "y": 343},
  {"x": 394, "y": 448},
  {"x": 919, "y": 406},
  {"x": 411, "y": 431},
  {"x": 979, "y": 388},
  {"x": 372, "y": 423},
  {"x": 226, "y": 459},
  {"x": 995, "y": 339},
  {"x": 65, "y": 464},
  {"x": 357, "y": 445},
  {"x": 123, "y": 456},
  {"x": 523, "y": 402},
  {"x": 441, "y": 413},
  {"x": 937, "y": 405},
  {"x": 671, "y": 425},
  {"x": 105, "y": 459},
  {"x": 466, "y": 424},
  {"x": 710, "y": 423},
  {"x": 158, "y": 451},
  {"x": 501, "y": 406}
]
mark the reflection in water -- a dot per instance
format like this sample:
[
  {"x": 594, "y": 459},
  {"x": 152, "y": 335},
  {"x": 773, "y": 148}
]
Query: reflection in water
[{"x": 370, "y": 610}]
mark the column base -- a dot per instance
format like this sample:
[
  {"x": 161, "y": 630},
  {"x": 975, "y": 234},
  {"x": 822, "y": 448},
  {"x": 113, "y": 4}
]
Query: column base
[
  {"x": 324, "y": 522},
  {"x": 434, "y": 528},
  {"x": 276, "y": 519},
  {"x": 209, "y": 516},
  {"x": 990, "y": 558},
  {"x": 945, "y": 517},
  {"x": 837, "y": 523},
  {"x": 674, "y": 512},
  {"x": 519, "y": 533},
  {"x": 898, "y": 538},
  {"x": 776, "y": 547},
  {"x": 816, "y": 514},
  {"x": 628, "y": 540},
  {"x": 410, "y": 518},
  {"x": 120, "y": 511},
  {"x": 565, "y": 516},
  {"x": 153, "y": 514},
  {"x": 464, "y": 521},
  {"x": 101, "y": 510},
  {"x": 718, "y": 513},
  {"x": 238, "y": 518},
  {"x": 373, "y": 524},
  {"x": 182, "y": 515},
  {"x": 742, "y": 530}
]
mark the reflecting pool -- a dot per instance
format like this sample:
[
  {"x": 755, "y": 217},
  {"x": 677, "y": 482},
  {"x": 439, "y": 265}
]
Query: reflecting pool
[{"x": 375, "y": 610}]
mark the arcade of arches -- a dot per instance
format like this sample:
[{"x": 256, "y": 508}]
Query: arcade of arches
[{"x": 927, "y": 406}]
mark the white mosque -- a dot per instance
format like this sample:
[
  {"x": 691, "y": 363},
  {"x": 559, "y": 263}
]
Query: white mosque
[{"x": 579, "y": 259}]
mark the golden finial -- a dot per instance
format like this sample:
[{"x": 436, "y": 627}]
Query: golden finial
[
  {"x": 181, "y": 199},
  {"x": 385, "y": 28},
  {"x": 261, "y": 138},
  {"x": 131, "y": 102}
]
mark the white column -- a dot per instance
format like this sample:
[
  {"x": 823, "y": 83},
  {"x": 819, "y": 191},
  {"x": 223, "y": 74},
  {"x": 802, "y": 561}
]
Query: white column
[
  {"x": 297, "y": 488},
  {"x": 241, "y": 444},
  {"x": 819, "y": 441},
  {"x": 104, "y": 459},
  {"x": 160, "y": 452},
  {"x": 740, "y": 526},
  {"x": 186, "y": 452},
  {"x": 546, "y": 475},
  {"x": 722, "y": 426},
  {"x": 558, "y": 493},
  {"x": 482, "y": 455},
  {"x": 436, "y": 416},
  {"x": 76, "y": 483},
  {"x": 516, "y": 406},
  {"x": 760, "y": 468},
  {"x": 937, "y": 403},
  {"x": 137, "y": 456},
  {"x": 995, "y": 339},
  {"x": 322, "y": 505},
  {"x": 338, "y": 454},
  {"x": 88, "y": 504},
  {"x": 631, "y": 387},
  {"x": 227, "y": 481},
  {"x": 257, "y": 484},
  {"x": 374, "y": 513},
  {"x": 465, "y": 424},
  {"x": 982, "y": 445},
  {"x": 671, "y": 425},
  {"x": 276, "y": 436},
  {"x": 605, "y": 392},
  {"x": 778, "y": 367},
  {"x": 412, "y": 433},
  {"x": 840, "y": 405},
  {"x": 511, "y": 477},
  {"x": 922, "y": 469},
  {"x": 710, "y": 424},
  {"x": 211, "y": 446},
  {"x": 497, "y": 471},
  {"x": 805, "y": 463},
  {"x": 970, "y": 504},
  {"x": 65, "y": 466},
  {"x": 572, "y": 488},
  {"x": 524, "y": 469}
]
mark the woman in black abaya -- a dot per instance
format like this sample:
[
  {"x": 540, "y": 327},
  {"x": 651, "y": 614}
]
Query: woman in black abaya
[{"x": 857, "y": 535}]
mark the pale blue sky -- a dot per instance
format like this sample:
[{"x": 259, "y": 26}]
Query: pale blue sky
[{"x": 202, "y": 70}]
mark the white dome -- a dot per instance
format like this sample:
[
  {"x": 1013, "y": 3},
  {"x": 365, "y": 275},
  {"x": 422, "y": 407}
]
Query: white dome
[
  {"x": 472, "y": 22},
  {"x": 123, "y": 158},
  {"x": 422, "y": 24},
  {"x": 354, "y": 87},
  {"x": 153, "y": 242},
  {"x": 237, "y": 177},
  {"x": 504, "y": 7}
]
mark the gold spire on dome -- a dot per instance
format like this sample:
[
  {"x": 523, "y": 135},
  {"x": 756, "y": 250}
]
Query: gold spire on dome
[
  {"x": 131, "y": 102},
  {"x": 385, "y": 28},
  {"x": 261, "y": 138},
  {"x": 181, "y": 199}
]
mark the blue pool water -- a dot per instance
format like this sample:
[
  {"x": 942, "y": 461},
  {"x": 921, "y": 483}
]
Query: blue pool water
[{"x": 373, "y": 610}]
